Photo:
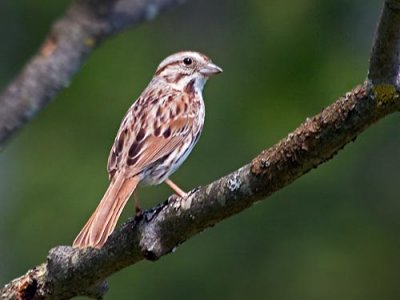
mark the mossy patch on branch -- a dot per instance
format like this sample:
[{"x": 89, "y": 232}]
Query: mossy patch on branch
[{"x": 385, "y": 93}]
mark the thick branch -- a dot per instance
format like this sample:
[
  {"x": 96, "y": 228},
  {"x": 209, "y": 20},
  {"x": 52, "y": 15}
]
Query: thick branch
[
  {"x": 69, "y": 272},
  {"x": 72, "y": 38}
]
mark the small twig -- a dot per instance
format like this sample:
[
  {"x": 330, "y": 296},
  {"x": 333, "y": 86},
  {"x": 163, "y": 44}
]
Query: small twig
[{"x": 385, "y": 63}]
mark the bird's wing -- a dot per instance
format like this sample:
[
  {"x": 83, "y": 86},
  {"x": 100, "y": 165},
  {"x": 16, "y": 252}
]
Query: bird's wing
[{"x": 150, "y": 135}]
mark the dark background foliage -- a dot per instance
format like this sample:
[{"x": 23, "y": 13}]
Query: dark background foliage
[{"x": 333, "y": 234}]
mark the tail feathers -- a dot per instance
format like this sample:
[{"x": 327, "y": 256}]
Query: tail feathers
[{"x": 104, "y": 219}]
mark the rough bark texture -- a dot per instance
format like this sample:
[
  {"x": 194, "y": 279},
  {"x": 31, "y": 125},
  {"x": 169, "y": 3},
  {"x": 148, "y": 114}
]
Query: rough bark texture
[
  {"x": 85, "y": 24},
  {"x": 69, "y": 272}
]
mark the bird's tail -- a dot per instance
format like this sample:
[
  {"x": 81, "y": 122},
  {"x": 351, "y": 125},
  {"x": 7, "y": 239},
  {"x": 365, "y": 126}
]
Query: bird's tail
[{"x": 104, "y": 219}]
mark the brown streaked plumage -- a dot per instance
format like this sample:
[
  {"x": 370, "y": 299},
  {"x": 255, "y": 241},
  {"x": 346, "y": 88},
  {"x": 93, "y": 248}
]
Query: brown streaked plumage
[{"x": 156, "y": 135}]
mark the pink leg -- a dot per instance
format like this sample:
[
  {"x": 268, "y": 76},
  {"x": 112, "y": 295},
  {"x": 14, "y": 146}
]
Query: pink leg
[
  {"x": 176, "y": 188},
  {"x": 138, "y": 210}
]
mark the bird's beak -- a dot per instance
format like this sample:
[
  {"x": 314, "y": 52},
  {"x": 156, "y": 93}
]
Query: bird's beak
[{"x": 210, "y": 69}]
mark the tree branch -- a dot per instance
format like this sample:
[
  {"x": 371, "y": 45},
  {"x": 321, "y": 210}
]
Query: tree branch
[
  {"x": 72, "y": 38},
  {"x": 69, "y": 272},
  {"x": 384, "y": 62}
]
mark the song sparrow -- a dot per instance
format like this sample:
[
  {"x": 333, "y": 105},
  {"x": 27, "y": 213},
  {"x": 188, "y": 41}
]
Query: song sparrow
[{"x": 156, "y": 135}]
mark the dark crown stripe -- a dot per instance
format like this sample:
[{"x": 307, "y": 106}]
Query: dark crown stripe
[{"x": 160, "y": 70}]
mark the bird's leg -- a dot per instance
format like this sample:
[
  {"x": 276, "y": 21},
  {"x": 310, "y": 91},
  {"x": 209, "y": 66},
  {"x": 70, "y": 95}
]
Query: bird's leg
[
  {"x": 138, "y": 210},
  {"x": 176, "y": 188}
]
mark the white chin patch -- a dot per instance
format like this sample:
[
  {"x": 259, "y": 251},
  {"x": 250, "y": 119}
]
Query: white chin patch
[{"x": 200, "y": 82}]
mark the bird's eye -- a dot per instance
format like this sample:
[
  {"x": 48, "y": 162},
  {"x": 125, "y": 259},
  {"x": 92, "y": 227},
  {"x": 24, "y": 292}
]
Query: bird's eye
[{"x": 187, "y": 61}]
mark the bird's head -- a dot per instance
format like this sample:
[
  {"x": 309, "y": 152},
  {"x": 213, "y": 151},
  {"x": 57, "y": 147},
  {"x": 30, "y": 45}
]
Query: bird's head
[{"x": 187, "y": 66}]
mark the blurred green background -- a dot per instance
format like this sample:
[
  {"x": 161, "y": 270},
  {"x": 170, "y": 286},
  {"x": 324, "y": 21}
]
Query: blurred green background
[{"x": 333, "y": 234}]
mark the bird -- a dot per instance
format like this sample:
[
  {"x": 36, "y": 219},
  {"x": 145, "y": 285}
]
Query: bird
[{"x": 155, "y": 137}]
